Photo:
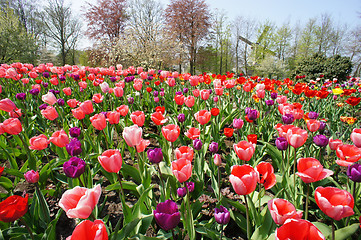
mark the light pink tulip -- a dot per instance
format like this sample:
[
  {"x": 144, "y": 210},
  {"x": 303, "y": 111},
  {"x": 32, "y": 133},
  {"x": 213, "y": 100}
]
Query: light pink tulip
[{"x": 132, "y": 135}]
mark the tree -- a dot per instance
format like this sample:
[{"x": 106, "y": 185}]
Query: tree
[
  {"x": 61, "y": 27},
  {"x": 189, "y": 21},
  {"x": 15, "y": 43},
  {"x": 106, "y": 19}
]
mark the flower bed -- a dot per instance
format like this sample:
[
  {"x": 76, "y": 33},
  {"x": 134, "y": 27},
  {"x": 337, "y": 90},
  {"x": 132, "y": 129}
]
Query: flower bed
[{"x": 112, "y": 153}]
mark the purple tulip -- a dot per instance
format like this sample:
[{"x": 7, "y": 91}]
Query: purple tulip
[
  {"x": 155, "y": 155},
  {"x": 222, "y": 215},
  {"x": 270, "y": 102},
  {"x": 181, "y": 192},
  {"x": 288, "y": 119},
  {"x": 45, "y": 84},
  {"x": 320, "y": 140},
  {"x": 197, "y": 144},
  {"x": 354, "y": 172},
  {"x": 155, "y": 93},
  {"x": 185, "y": 90},
  {"x": 34, "y": 91},
  {"x": 281, "y": 143},
  {"x": 20, "y": 96},
  {"x": 274, "y": 95},
  {"x": 181, "y": 117},
  {"x": 213, "y": 147},
  {"x": 62, "y": 78},
  {"x": 167, "y": 215},
  {"x": 43, "y": 106},
  {"x": 46, "y": 74},
  {"x": 74, "y": 147},
  {"x": 252, "y": 114},
  {"x": 190, "y": 186},
  {"x": 322, "y": 126},
  {"x": 178, "y": 93},
  {"x": 130, "y": 100},
  {"x": 60, "y": 102},
  {"x": 74, "y": 132},
  {"x": 113, "y": 79},
  {"x": 74, "y": 167},
  {"x": 313, "y": 115}
]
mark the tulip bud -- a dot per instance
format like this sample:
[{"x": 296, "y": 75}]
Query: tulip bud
[
  {"x": 222, "y": 215},
  {"x": 213, "y": 147},
  {"x": 197, "y": 144},
  {"x": 281, "y": 143},
  {"x": 217, "y": 159},
  {"x": 32, "y": 176},
  {"x": 181, "y": 192}
]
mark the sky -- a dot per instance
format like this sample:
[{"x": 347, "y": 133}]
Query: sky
[{"x": 277, "y": 11}]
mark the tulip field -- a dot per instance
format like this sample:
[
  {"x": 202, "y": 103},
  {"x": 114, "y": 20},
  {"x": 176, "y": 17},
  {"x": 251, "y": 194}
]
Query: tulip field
[{"x": 133, "y": 153}]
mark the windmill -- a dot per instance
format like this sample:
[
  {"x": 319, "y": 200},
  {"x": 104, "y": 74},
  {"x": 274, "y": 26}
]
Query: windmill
[{"x": 259, "y": 50}]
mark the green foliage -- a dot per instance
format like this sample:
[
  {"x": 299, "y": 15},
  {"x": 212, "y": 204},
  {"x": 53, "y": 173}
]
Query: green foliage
[
  {"x": 15, "y": 43},
  {"x": 332, "y": 67}
]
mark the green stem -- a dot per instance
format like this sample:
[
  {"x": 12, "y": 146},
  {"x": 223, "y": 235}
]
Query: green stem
[
  {"x": 81, "y": 183},
  {"x": 161, "y": 182},
  {"x": 247, "y": 217},
  {"x": 333, "y": 230},
  {"x": 219, "y": 185},
  {"x": 173, "y": 235},
  {"x": 27, "y": 228},
  {"x": 106, "y": 140},
  {"x": 308, "y": 195},
  {"x": 294, "y": 171},
  {"x": 221, "y": 233}
]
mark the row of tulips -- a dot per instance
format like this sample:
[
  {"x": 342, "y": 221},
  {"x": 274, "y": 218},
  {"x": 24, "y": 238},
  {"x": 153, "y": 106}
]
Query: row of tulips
[{"x": 76, "y": 134}]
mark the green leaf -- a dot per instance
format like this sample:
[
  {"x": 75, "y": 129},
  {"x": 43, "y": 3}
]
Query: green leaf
[
  {"x": 126, "y": 230},
  {"x": 14, "y": 172},
  {"x": 6, "y": 183},
  {"x": 267, "y": 227},
  {"x": 131, "y": 171},
  {"x": 325, "y": 229},
  {"x": 346, "y": 232}
]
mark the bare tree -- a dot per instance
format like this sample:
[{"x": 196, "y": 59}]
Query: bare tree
[
  {"x": 106, "y": 19},
  {"x": 61, "y": 26},
  {"x": 189, "y": 20}
]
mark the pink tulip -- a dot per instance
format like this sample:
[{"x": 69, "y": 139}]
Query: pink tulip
[
  {"x": 123, "y": 110},
  {"x": 39, "y": 142},
  {"x": 205, "y": 94},
  {"x": 244, "y": 150},
  {"x": 50, "y": 113},
  {"x": 113, "y": 117},
  {"x": 79, "y": 202},
  {"x": 87, "y": 107},
  {"x": 67, "y": 91},
  {"x": 59, "y": 138},
  {"x": 111, "y": 160},
  {"x": 243, "y": 179},
  {"x": 334, "y": 143},
  {"x": 182, "y": 169},
  {"x": 98, "y": 121},
  {"x": 118, "y": 92},
  {"x": 138, "y": 118},
  {"x": 7, "y": 105},
  {"x": 356, "y": 137},
  {"x": 132, "y": 135},
  {"x": 49, "y": 98},
  {"x": 184, "y": 152},
  {"x": 313, "y": 125},
  {"x": 171, "y": 132},
  {"x": 142, "y": 145},
  {"x": 296, "y": 137},
  {"x": 189, "y": 101},
  {"x": 281, "y": 210}
]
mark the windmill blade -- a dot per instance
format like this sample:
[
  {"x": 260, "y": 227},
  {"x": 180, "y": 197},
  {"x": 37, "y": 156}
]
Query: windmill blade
[
  {"x": 264, "y": 32},
  {"x": 246, "y": 40}
]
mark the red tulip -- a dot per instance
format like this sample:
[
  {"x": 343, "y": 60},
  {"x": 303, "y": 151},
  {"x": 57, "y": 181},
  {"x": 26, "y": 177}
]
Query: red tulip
[
  {"x": 118, "y": 92},
  {"x": 313, "y": 125},
  {"x": 111, "y": 160},
  {"x": 193, "y": 133},
  {"x": 311, "y": 170},
  {"x": 13, "y": 208},
  {"x": 298, "y": 229},
  {"x": 171, "y": 132},
  {"x": 203, "y": 116},
  {"x": 252, "y": 138},
  {"x": 334, "y": 202},
  {"x": 244, "y": 150},
  {"x": 113, "y": 117},
  {"x": 184, "y": 152},
  {"x": 59, "y": 138},
  {"x": 12, "y": 126},
  {"x": 7, "y": 105},
  {"x": 72, "y": 103},
  {"x": 296, "y": 137},
  {"x": 228, "y": 132},
  {"x": 182, "y": 169},
  {"x": 138, "y": 118},
  {"x": 123, "y": 110},
  {"x": 179, "y": 99},
  {"x": 87, "y": 107},
  {"x": 98, "y": 121},
  {"x": 281, "y": 210},
  {"x": 50, "y": 113},
  {"x": 67, "y": 91},
  {"x": 353, "y": 101},
  {"x": 132, "y": 135},
  {"x": 39, "y": 142},
  {"x": 88, "y": 230},
  {"x": 214, "y": 111},
  {"x": 356, "y": 137},
  {"x": 158, "y": 118},
  {"x": 243, "y": 179},
  {"x": 78, "y": 113},
  {"x": 205, "y": 94},
  {"x": 266, "y": 175},
  {"x": 348, "y": 154}
]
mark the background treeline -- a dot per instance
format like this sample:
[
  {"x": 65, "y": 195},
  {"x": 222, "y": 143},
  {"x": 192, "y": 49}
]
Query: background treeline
[{"x": 185, "y": 35}]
